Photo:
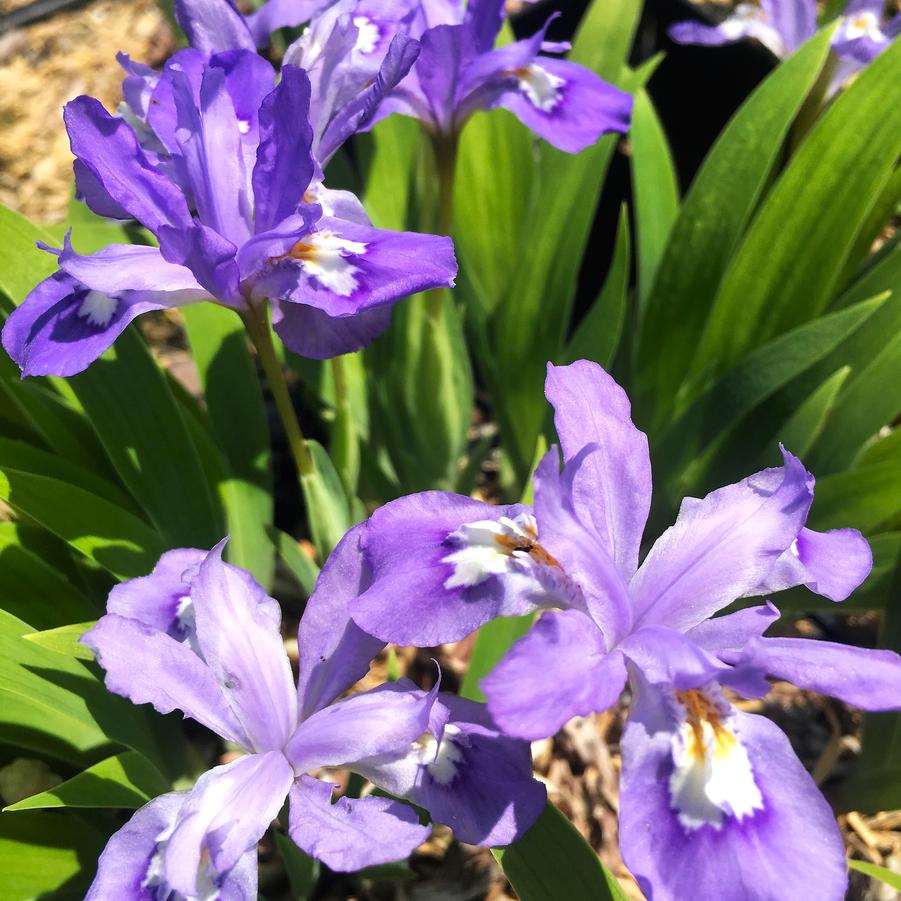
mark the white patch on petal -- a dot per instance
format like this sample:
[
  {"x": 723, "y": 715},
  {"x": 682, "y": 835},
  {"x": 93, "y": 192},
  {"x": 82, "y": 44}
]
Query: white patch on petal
[
  {"x": 490, "y": 548},
  {"x": 368, "y": 34},
  {"x": 184, "y": 613},
  {"x": 326, "y": 257},
  {"x": 542, "y": 88},
  {"x": 749, "y": 20},
  {"x": 712, "y": 776},
  {"x": 98, "y": 308},
  {"x": 441, "y": 759},
  {"x": 864, "y": 24}
]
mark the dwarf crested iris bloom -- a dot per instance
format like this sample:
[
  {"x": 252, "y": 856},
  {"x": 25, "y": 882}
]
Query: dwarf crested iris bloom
[
  {"x": 201, "y": 636},
  {"x": 222, "y": 173},
  {"x": 783, "y": 25},
  {"x": 711, "y": 796}
]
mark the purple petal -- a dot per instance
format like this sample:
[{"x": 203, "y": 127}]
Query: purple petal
[
  {"x": 59, "y": 328},
  {"x": 832, "y": 564},
  {"x": 791, "y": 848},
  {"x": 351, "y": 834},
  {"x": 566, "y": 104},
  {"x": 723, "y": 547},
  {"x": 484, "y": 19},
  {"x": 149, "y": 667},
  {"x": 382, "y": 721},
  {"x": 155, "y": 600},
  {"x": 345, "y": 267},
  {"x": 255, "y": 257},
  {"x": 406, "y": 543},
  {"x": 209, "y": 256},
  {"x": 277, "y": 14},
  {"x": 613, "y": 491},
  {"x": 224, "y": 816},
  {"x": 334, "y": 652},
  {"x": 446, "y": 51},
  {"x": 558, "y": 670},
  {"x": 109, "y": 151},
  {"x": 576, "y": 550},
  {"x": 238, "y": 633},
  {"x": 667, "y": 657},
  {"x": 691, "y": 32},
  {"x": 284, "y": 164},
  {"x": 865, "y": 678},
  {"x": 311, "y": 333},
  {"x": 249, "y": 79},
  {"x": 734, "y": 630},
  {"x": 794, "y": 20},
  {"x": 90, "y": 190},
  {"x": 213, "y": 25}
]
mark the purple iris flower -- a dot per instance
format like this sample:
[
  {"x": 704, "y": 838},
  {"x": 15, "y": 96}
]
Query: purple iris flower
[
  {"x": 723, "y": 790},
  {"x": 783, "y": 25},
  {"x": 201, "y": 636},
  {"x": 221, "y": 171}
]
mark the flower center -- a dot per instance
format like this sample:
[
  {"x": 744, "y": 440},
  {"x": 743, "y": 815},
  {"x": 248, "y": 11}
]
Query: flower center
[
  {"x": 441, "y": 759},
  {"x": 492, "y": 547},
  {"x": 542, "y": 88},
  {"x": 863, "y": 25},
  {"x": 324, "y": 256},
  {"x": 98, "y": 308},
  {"x": 368, "y": 34},
  {"x": 712, "y": 775}
]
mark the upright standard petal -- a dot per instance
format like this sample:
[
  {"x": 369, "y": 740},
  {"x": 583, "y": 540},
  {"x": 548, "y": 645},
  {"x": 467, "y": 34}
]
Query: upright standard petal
[
  {"x": 334, "y": 651},
  {"x": 761, "y": 830},
  {"x": 613, "y": 491},
  {"x": 149, "y": 667},
  {"x": 224, "y": 816},
  {"x": 275, "y": 14},
  {"x": 722, "y": 548},
  {"x": 238, "y": 634},
  {"x": 108, "y": 149},
  {"x": 384, "y": 720},
  {"x": 212, "y": 26},
  {"x": 353, "y": 833},
  {"x": 558, "y": 670},
  {"x": 794, "y": 20},
  {"x": 131, "y": 866},
  {"x": 284, "y": 164},
  {"x": 860, "y": 676},
  {"x": 566, "y": 104},
  {"x": 443, "y": 565}
]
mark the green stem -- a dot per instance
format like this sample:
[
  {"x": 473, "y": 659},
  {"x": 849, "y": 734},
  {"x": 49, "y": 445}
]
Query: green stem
[
  {"x": 345, "y": 441},
  {"x": 444, "y": 148},
  {"x": 257, "y": 324}
]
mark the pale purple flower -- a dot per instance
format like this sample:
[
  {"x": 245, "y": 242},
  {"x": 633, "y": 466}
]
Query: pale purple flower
[
  {"x": 221, "y": 171},
  {"x": 722, "y": 789},
  {"x": 201, "y": 636}
]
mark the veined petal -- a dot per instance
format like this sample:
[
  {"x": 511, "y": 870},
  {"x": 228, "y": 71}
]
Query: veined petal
[
  {"x": 794, "y": 20},
  {"x": 62, "y": 326},
  {"x": 613, "y": 489},
  {"x": 149, "y": 667},
  {"x": 224, "y": 816},
  {"x": 334, "y": 651},
  {"x": 565, "y": 103},
  {"x": 311, "y": 333},
  {"x": 209, "y": 256},
  {"x": 384, "y": 720},
  {"x": 734, "y": 630},
  {"x": 131, "y": 867},
  {"x": 722, "y": 548},
  {"x": 425, "y": 590},
  {"x": 108, "y": 149},
  {"x": 484, "y": 19},
  {"x": 860, "y": 676},
  {"x": 784, "y": 844},
  {"x": 276, "y": 14},
  {"x": 213, "y": 25},
  {"x": 256, "y": 255},
  {"x": 238, "y": 633},
  {"x": 353, "y": 833},
  {"x": 558, "y": 670},
  {"x": 666, "y": 657},
  {"x": 284, "y": 164}
]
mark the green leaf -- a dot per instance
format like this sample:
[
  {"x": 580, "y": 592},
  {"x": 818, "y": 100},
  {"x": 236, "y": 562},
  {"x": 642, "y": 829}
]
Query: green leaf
[
  {"x": 132, "y": 409},
  {"x": 328, "y": 508},
  {"x": 234, "y": 403},
  {"x": 64, "y": 640},
  {"x": 883, "y": 874},
  {"x": 127, "y": 780},
  {"x": 113, "y": 537},
  {"x": 788, "y": 267},
  {"x": 46, "y": 855},
  {"x": 552, "y": 860},
  {"x": 22, "y": 265},
  {"x": 861, "y": 498},
  {"x": 301, "y": 566},
  {"x": 493, "y": 641},
  {"x": 303, "y": 870},
  {"x": 598, "y": 335},
  {"x": 655, "y": 187},
  {"x": 714, "y": 215},
  {"x": 345, "y": 441},
  {"x": 387, "y": 192}
]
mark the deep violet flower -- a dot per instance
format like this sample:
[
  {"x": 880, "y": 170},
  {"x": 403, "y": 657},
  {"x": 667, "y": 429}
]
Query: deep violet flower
[
  {"x": 201, "y": 636},
  {"x": 228, "y": 191},
  {"x": 711, "y": 796}
]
